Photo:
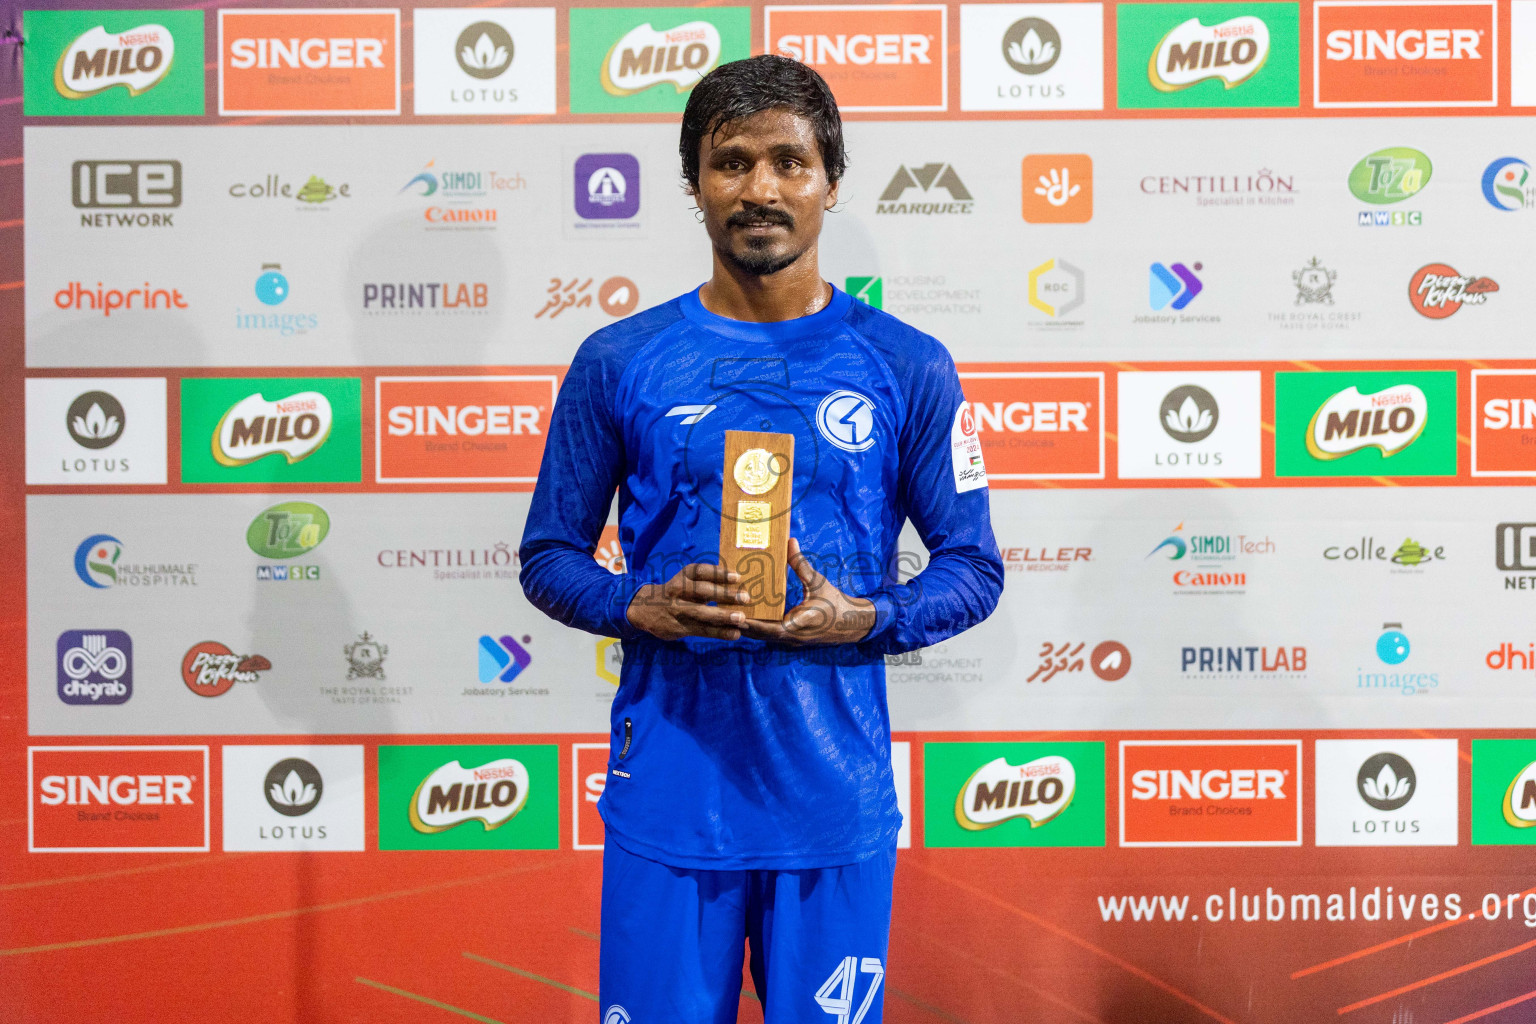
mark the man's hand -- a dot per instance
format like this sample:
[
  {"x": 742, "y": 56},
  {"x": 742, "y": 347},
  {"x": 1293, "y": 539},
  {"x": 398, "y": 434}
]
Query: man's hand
[
  {"x": 826, "y": 616},
  {"x": 678, "y": 608}
]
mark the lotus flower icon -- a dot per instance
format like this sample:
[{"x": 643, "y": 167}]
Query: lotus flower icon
[
  {"x": 293, "y": 792},
  {"x": 1031, "y": 46},
  {"x": 293, "y": 787},
  {"x": 1031, "y": 50},
  {"x": 1386, "y": 781},
  {"x": 484, "y": 50},
  {"x": 95, "y": 424},
  {"x": 1189, "y": 413},
  {"x": 1189, "y": 418},
  {"x": 485, "y": 55},
  {"x": 1386, "y": 785}
]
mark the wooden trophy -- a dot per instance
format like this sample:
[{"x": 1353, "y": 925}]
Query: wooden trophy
[{"x": 754, "y": 516}]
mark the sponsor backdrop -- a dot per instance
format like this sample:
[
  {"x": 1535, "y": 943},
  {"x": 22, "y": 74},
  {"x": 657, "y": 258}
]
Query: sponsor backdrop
[{"x": 1240, "y": 293}]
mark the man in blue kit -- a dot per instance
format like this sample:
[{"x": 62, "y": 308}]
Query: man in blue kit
[{"x": 750, "y": 794}]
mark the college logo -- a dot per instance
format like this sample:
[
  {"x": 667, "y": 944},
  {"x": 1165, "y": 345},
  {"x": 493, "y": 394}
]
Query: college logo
[
  {"x": 1409, "y": 556},
  {"x": 502, "y": 660},
  {"x": 469, "y": 797},
  {"x": 1437, "y": 291},
  {"x": 1352, "y": 423},
  {"x": 113, "y": 63},
  {"x": 1503, "y": 793},
  {"x": 847, "y": 419},
  {"x": 312, "y": 195},
  {"x": 1038, "y": 425},
  {"x": 461, "y": 429},
  {"x": 293, "y": 797},
  {"x": 95, "y": 666},
  {"x": 153, "y": 186},
  {"x": 1013, "y": 794},
  {"x": 649, "y": 58},
  {"x": 1508, "y": 185},
  {"x": 232, "y": 432},
  {"x": 925, "y": 179},
  {"x": 139, "y": 799},
  {"x": 1207, "y": 424},
  {"x": 1058, "y": 188},
  {"x": 874, "y": 58},
  {"x": 1209, "y": 55},
  {"x": 78, "y": 430},
  {"x": 1385, "y": 53},
  {"x": 309, "y": 62},
  {"x": 484, "y": 61},
  {"x": 1210, "y": 793},
  {"x": 209, "y": 668},
  {"x": 1399, "y": 792},
  {"x": 290, "y": 530},
  {"x": 1504, "y": 423}
]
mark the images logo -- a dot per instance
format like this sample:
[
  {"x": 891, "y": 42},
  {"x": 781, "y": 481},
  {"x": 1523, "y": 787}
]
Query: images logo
[
  {"x": 869, "y": 290},
  {"x": 95, "y": 666},
  {"x": 924, "y": 178},
  {"x": 1174, "y": 286},
  {"x": 209, "y": 668},
  {"x": 469, "y": 797},
  {"x": 1210, "y": 793},
  {"x": 607, "y": 186},
  {"x": 290, "y": 530},
  {"x": 113, "y": 63},
  {"x": 293, "y": 787},
  {"x": 138, "y": 799},
  {"x": 1393, "y": 54},
  {"x": 874, "y": 57},
  {"x": 1038, "y": 425},
  {"x": 1437, "y": 291},
  {"x": 461, "y": 429},
  {"x": 1507, "y": 185},
  {"x": 96, "y": 560},
  {"x": 118, "y": 185},
  {"x": 271, "y": 285},
  {"x": 309, "y": 62},
  {"x": 1393, "y": 648},
  {"x": 1504, "y": 423},
  {"x": 1503, "y": 793},
  {"x": 503, "y": 660},
  {"x": 1013, "y": 794},
  {"x": 1058, "y": 188},
  {"x": 1350, "y": 423},
  {"x": 648, "y": 58},
  {"x": 1209, "y": 55},
  {"x": 230, "y": 428}
]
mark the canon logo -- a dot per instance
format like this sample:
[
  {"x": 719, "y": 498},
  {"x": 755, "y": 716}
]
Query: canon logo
[
  {"x": 306, "y": 53},
  {"x": 1024, "y": 417},
  {"x": 84, "y": 790},
  {"x": 1407, "y": 44},
  {"x": 469, "y": 420},
  {"x": 1210, "y": 784},
  {"x": 881, "y": 48}
]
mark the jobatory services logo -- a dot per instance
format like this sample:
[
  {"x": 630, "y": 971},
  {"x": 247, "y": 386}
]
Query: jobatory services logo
[
  {"x": 925, "y": 190},
  {"x": 1503, "y": 792},
  {"x": 1365, "y": 423},
  {"x": 103, "y": 430},
  {"x": 95, "y": 666},
  {"x": 1201, "y": 55},
  {"x": 1210, "y": 793},
  {"x": 1437, "y": 291},
  {"x": 1504, "y": 422},
  {"x": 1514, "y": 552},
  {"x": 1390, "y": 176},
  {"x": 309, "y": 431},
  {"x": 1509, "y": 186},
  {"x": 648, "y": 59},
  {"x": 484, "y": 60},
  {"x": 469, "y": 797},
  {"x": 100, "y": 565},
  {"x": 1173, "y": 287},
  {"x": 461, "y": 429},
  {"x": 132, "y": 799},
  {"x": 125, "y": 63},
  {"x": 1058, "y": 188},
  {"x": 1405, "y": 53},
  {"x": 1013, "y": 794},
  {"x": 875, "y": 57},
  {"x": 1047, "y": 56},
  {"x": 1386, "y": 792},
  {"x": 502, "y": 659},
  {"x": 1393, "y": 649},
  {"x": 305, "y": 61},
  {"x": 126, "y": 193},
  {"x": 1200, "y": 424},
  {"x": 1038, "y": 425},
  {"x": 210, "y": 668},
  {"x": 293, "y": 797}
]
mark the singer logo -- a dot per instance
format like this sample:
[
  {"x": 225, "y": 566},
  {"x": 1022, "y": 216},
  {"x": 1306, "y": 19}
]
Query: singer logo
[
  {"x": 293, "y": 427},
  {"x": 1038, "y": 426},
  {"x": 1405, "y": 53},
  {"x": 462, "y": 429},
  {"x": 589, "y": 765},
  {"x": 1210, "y": 793},
  {"x": 304, "y": 62},
  {"x": 117, "y": 799},
  {"x": 1504, "y": 423},
  {"x": 874, "y": 58}
]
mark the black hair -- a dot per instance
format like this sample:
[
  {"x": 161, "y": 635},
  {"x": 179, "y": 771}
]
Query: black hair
[{"x": 746, "y": 87}]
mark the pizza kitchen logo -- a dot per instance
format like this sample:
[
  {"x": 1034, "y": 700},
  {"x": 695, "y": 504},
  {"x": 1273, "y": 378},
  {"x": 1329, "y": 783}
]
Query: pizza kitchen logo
[
  {"x": 1037, "y": 791},
  {"x": 210, "y": 668},
  {"x": 451, "y": 795},
  {"x": 1437, "y": 291}
]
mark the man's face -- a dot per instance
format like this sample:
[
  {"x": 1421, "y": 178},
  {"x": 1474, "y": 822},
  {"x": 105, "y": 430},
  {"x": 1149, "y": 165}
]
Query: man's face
[{"x": 763, "y": 190}]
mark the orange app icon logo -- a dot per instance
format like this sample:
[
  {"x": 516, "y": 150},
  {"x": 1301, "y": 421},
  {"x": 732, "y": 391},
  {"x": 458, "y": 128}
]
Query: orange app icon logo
[
  {"x": 873, "y": 57},
  {"x": 462, "y": 429},
  {"x": 1038, "y": 425},
  {"x": 1058, "y": 188},
  {"x": 1210, "y": 793},
  {"x": 307, "y": 62},
  {"x": 1504, "y": 422},
  {"x": 1405, "y": 53}
]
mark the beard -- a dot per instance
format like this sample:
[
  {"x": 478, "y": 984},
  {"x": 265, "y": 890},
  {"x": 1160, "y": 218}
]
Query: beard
[{"x": 758, "y": 258}]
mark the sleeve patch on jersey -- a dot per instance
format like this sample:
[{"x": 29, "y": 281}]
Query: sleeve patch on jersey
[{"x": 965, "y": 451}]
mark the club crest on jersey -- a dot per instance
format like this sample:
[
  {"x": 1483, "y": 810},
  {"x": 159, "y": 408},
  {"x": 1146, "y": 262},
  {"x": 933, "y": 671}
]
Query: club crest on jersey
[{"x": 847, "y": 419}]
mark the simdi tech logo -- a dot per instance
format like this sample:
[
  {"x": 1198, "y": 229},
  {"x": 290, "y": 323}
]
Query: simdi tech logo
[
  {"x": 1365, "y": 423},
  {"x": 876, "y": 57},
  {"x": 130, "y": 799},
  {"x": 305, "y": 62},
  {"x": 1210, "y": 793},
  {"x": 1013, "y": 794},
  {"x": 1405, "y": 53},
  {"x": 1038, "y": 425},
  {"x": 469, "y": 797},
  {"x": 96, "y": 430},
  {"x": 1199, "y": 55},
  {"x": 483, "y": 60},
  {"x": 461, "y": 429},
  {"x": 127, "y": 63},
  {"x": 301, "y": 429},
  {"x": 1504, "y": 422},
  {"x": 1032, "y": 56},
  {"x": 648, "y": 59}
]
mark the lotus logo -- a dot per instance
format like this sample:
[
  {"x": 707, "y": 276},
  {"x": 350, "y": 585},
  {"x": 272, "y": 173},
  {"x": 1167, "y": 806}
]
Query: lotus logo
[
  {"x": 1189, "y": 413},
  {"x": 491, "y": 794},
  {"x": 137, "y": 60},
  {"x": 294, "y": 427},
  {"x": 1520, "y": 799},
  {"x": 1386, "y": 781},
  {"x": 293, "y": 787},
  {"x": 1232, "y": 51},
  {"x": 1389, "y": 420},
  {"x": 645, "y": 56},
  {"x": 1031, "y": 46},
  {"x": 95, "y": 420},
  {"x": 484, "y": 50},
  {"x": 289, "y": 530},
  {"x": 998, "y": 791}
]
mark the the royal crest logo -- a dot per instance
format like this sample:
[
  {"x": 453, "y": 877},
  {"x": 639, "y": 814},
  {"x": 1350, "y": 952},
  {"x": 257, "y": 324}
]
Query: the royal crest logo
[
  {"x": 138, "y": 60},
  {"x": 1038, "y": 790},
  {"x": 491, "y": 794},
  {"x": 645, "y": 56},
  {"x": 1233, "y": 51},
  {"x": 254, "y": 427},
  {"x": 1349, "y": 421}
]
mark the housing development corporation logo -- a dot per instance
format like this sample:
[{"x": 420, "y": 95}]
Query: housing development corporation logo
[
  {"x": 468, "y": 797},
  {"x": 1382, "y": 53},
  {"x": 1208, "y": 55},
  {"x": 1509, "y": 186},
  {"x": 649, "y": 58},
  {"x": 1437, "y": 291},
  {"x": 310, "y": 430},
  {"x": 135, "y": 799},
  {"x": 95, "y": 666},
  {"x": 1365, "y": 423},
  {"x": 1210, "y": 793},
  {"x": 1038, "y": 425},
  {"x": 876, "y": 57},
  {"x": 113, "y": 63},
  {"x": 1013, "y": 794},
  {"x": 299, "y": 62}
]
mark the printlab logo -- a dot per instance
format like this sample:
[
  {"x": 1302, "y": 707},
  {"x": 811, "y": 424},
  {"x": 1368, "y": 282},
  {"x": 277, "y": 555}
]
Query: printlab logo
[
  {"x": 95, "y": 666},
  {"x": 502, "y": 659},
  {"x": 1189, "y": 413},
  {"x": 150, "y": 187},
  {"x": 607, "y": 186},
  {"x": 1209, "y": 55},
  {"x": 113, "y": 63},
  {"x": 847, "y": 419},
  {"x": 95, "y": 420},
  {"x": 293, "y": 787},
  {"x": 1056, "y": 288},
  {"x": 1173, "y": 287},
  {"x": 1390, "y": 176},
  {"x": 868, "y": 290},
  {"x": 1507, "y": 185},
  {"x": 1058, "y": 188},
  {"x": 365, "y": 657},
  {"x": 1314, "y": 284},
  {"x": 925, "y": 179},
  {"x": 1368, "y": 53},
  {"x": 1110, "y": 660},
  {"x": 1438, "y": 291},
  {"x": 210, "y": 668},
  {"x": 1386, "y": 781},
  {"x": 648, "y": 59}
]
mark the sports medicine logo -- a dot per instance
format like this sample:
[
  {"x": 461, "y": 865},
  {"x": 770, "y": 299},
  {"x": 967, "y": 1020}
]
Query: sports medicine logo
[
  {"x": 1508, "y": 185},
  {"x": 113, "y": 63},
  {"x": 305, "y": 62},
  {"x": 1038, "y": 425},
  {"x": 1504, "y": 422},
  {"x": 461, "y": 429},
  {"x": 133, "y": 799},
  {"x": 1013, "y": 794},
  {"x": 1210, "y": 793},
  {"x": 925, "y": 178},
  {"x": 95, "y": 666},
  {"x": 1437, "y": 290},
  {"x": 232, "y": 432},
  {"x": 1208, "y": 55},
  {"x": 1390, "y": 53},
  {"x": 1058, "y": 188},
  {"x": 874, "y": 57},
  {"x": 1365, "y": 423},
  {"x": 484, "y": 61},
  {"x": 647, "y": 59},
  {"x": 120, "y": 186}
]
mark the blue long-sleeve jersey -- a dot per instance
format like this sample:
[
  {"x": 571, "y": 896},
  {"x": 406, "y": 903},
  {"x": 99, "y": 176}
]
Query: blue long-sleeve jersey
[{"x": 746, "y": 754}]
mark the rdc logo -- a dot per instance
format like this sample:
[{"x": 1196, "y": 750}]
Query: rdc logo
[
  {"x": 847, "y": 419},
  {"x": 95, "y": 666}
]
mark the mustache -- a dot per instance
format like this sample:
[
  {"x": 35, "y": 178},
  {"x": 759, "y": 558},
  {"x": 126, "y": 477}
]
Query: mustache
[{"x": 759, "y": 215}]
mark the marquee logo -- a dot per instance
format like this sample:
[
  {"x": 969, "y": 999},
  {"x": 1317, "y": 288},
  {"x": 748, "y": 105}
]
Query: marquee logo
[
  {"x": 255, "y": 427},
  {"x": 1390, "y": 53},
  {"x": 1348, "y": 421},
  {"x": 1037, "y": 791},
  {"x": 1038, "y": 425},
  {"x": 1209, "y": 55},
  {"x": 1210, "y": 793},
  {"x": 926, "y": 178},
  {"x": 1437, "y": 290},
  {"x": 461, "y": 429},
  {"x": 232, "y": 432},
  {"x": 1013, "y": 794},
  {"x": 874, "y": 57},
  {"x": 309, "y": 62},
  {"x": 132, "y": 799},
  {"x": 95, "y": 666},
  {"x": 1232, "y": 51},
  {"x": 1504, "y": 423},
  {"x": 1365, "y": 423},
  {"x": 113, "y": 63},
  {"x": 209, "y": 668},
  {"x": 638, "y": 59}
]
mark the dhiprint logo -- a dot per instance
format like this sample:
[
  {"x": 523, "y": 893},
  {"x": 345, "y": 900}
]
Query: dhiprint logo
[
  {"x": 96, "y": 560},
  {"x": 1232, "y": 51},
  {"x": 309, "y": 62},
  {"x": 210, "y": 668},
  {"x": 925, "y": 178},
  {"x": 1208, "y": 55},
  {"x": 1058, "y": 188},
  {"x": 95, "y": 666},
  {"x": 847, "y": 419},
  {"x": 1189, "y": 413},
  {"x": 1508, "y": 186},
  {"x": 503, "y": 660},
  {"x": 153, "y": 186},
  {"x": 491, "y": 794},
  {"x": 77, "y": 295},
  {"x": 1173, "y": 287},
  {"x": 484, "y": 50},
  {"x": 868, "y": 290},
  {"x": 135, "y": 799},
  {"x": 1032, "y": 56},
  {"x": 95, "y": 420},
  {"x": 113, "y": 63},
  {"x": 1438, "y": 291},
  {"x": 1418, "y": 53},
  {"x": 293, "y": 787},
  {"x": 873, "y": 57},
  {"x": 1504, "y": 423}
]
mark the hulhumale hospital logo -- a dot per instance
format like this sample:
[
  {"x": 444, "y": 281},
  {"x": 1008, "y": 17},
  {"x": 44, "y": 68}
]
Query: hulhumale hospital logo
[{"x": 1508, "y": 185}]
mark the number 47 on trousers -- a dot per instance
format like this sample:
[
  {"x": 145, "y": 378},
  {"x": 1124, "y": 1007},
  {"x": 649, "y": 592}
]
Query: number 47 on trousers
[{"x": 836, "y": 993}]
